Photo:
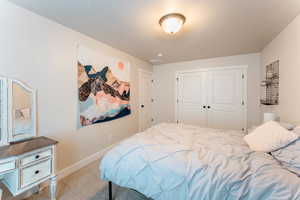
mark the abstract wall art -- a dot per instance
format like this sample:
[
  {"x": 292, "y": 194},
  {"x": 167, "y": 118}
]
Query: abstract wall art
[{"x": 103, "y": 87}]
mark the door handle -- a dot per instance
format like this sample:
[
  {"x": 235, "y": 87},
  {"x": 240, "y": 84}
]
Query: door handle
[{"x": 142, "y": 106}]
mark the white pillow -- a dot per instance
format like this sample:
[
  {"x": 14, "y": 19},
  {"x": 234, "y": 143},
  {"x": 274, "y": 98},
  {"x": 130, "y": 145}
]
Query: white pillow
[{"x": 269, "y": 137}]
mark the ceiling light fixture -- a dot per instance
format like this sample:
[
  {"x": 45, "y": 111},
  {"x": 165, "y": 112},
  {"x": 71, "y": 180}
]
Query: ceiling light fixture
[{"x": 172, "y": 23}]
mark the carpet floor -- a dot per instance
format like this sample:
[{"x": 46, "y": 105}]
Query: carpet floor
[{"x": 84, "y": 184}]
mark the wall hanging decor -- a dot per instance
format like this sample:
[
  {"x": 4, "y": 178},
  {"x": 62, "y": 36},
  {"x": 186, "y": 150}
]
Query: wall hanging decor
[
  {"x": 271, "y": 85},
  {"x": 103, "y": 87}
]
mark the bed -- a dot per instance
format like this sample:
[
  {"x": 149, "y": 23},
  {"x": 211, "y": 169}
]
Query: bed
[{"x": 177, "y": 161}]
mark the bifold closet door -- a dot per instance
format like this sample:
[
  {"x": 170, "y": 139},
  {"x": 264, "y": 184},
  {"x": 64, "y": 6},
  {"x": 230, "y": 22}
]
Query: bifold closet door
[
  {"x": 191, "y": 98},
  {"x": 214, "y": 98},
  {"x": 226, "y": 101}
]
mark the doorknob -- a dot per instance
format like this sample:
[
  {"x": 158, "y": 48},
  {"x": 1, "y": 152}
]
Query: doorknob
[{"x": 142, "y": 106}]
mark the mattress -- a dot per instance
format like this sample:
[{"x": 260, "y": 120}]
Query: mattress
[{"x": 177, "y": 161}]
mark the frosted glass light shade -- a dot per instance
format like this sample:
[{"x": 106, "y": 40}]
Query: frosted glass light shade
[{"x": 172, "y": 23}]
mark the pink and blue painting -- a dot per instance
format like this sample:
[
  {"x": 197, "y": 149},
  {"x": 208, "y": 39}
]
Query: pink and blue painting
[{"x": 103, "y": 87}]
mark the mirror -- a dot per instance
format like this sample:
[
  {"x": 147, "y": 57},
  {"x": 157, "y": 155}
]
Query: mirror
[
  {"x": 21, "y": 111},
  {"x": 17, "y": 111},
  {"x": 22, "y": 101}
]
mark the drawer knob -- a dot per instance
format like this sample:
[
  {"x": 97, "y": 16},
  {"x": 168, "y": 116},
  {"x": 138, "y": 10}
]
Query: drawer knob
[
  {"x": 37, "y": 171},
  {"x": 37, "y": 156}
]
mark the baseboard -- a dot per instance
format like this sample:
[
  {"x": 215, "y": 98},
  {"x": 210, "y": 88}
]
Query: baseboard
[{"x": 82, "y": 163}]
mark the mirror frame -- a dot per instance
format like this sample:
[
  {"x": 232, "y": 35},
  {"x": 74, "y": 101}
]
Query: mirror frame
[
  {"x": 11, "y": 136},
  {"x": 4, "y": 110}
]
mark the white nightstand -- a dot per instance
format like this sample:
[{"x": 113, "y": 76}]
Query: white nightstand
[{"x": 26, "y": 164}]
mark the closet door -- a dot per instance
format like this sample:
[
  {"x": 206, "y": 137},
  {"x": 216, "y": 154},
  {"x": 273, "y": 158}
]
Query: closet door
[
  {"x": 191, "y": 98},
  {"x": 226, "y": 103},
  {"x": 145, "y": 92}
]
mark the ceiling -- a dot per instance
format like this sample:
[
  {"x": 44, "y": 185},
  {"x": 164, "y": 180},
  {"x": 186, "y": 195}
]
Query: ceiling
[{"x": 213, "y": 28}]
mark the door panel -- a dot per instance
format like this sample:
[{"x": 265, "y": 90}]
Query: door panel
[
  {"x": 224, "y": 119},
  {"x": 225, "y": 97},
  {"x": 145, "y": 100},
  {"x": 191, "y": 99}
]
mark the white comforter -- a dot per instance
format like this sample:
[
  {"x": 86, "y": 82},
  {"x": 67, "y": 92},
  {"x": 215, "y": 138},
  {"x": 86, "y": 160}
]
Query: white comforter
[{"x": 180, "y": 162}]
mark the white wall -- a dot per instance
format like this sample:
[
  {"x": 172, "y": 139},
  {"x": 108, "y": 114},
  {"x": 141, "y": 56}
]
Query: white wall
[
  {"x": 286, "y": 48},
  {"x": 43, "y": 54},
  {"x": 165, "y": 84}
]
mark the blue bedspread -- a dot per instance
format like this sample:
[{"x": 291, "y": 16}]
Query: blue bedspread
[{"x": 181, "y": 162}]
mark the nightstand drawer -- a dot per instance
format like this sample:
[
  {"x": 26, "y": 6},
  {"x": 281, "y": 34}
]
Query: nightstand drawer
[
  {"x": 34, "y": 173},
  {"x": 36, "y": 157},
  {"x": 6, "y": 166}
]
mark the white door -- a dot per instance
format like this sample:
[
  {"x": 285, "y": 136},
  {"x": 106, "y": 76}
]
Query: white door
[
  {"x": 191, "y": 98},
  {"x": 226, "y": 103},
  {"x": 146, "y": 99},
  {"x": 214, "y": 98}
]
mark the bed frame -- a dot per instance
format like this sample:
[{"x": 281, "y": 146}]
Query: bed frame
[{"x": 110, "y": 190}]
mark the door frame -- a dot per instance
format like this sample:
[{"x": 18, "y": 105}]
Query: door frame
[
  {"x": 141, "y": 71},
  {"x": 207, "y": 69}
]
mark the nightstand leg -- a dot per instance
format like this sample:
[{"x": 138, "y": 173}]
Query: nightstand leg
[{"x": 53, "y": 185}]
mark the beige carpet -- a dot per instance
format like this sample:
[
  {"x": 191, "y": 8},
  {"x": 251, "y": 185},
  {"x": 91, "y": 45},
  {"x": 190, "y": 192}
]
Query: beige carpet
[{"x": 83, "y": 185}]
